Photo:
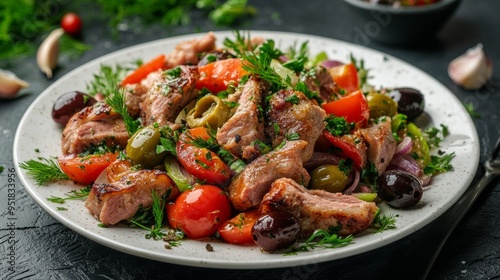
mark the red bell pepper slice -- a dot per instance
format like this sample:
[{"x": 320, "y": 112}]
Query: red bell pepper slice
[
  {"x": 218, "y": 75},
  {"x": 144, "y": 70},
  {"x": 351, "y": 146},
  {"x": 345, "y": 76}
]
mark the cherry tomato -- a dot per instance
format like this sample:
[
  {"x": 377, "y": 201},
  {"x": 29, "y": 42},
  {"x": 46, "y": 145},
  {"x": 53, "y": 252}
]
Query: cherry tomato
[
  {"x": 201, "y": 162},
  {"x": 144, "y": 70},
  {"x": 351, "y": 147},
  {"x": 216, "y": 76},
  {"x": 199, "y": 211},
  {"x": 346, "y": 77},
  {"x": 238, "y": 230},
  {"x": 85, "y": 170},
  {"x": 72, "y": 24},
  {"x": 353, "y": 107}
]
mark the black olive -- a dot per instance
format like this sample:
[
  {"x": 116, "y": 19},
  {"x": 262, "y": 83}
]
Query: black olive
[
  {"x": 70, "y": 103},
  {"x": 410, "y": 101},
  {"x": 275, "y": 231},
  {"x": 399, "y": 189}
]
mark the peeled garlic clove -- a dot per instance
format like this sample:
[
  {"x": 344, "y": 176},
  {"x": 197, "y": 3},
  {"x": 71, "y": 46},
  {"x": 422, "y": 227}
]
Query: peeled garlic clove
[
  {"x": 10, "y": 84},
  {"x": 471, "y": 70},
  {"x": 48, "y": 52}
]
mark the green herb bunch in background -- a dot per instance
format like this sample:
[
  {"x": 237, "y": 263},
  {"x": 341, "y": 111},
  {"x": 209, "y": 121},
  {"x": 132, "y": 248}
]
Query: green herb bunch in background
[{"x": 24, "y": 22}]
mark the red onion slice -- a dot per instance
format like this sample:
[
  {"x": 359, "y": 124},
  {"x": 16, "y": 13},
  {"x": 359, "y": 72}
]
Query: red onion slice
[
  {"x": 355, "y": 182},
  {"x": 404, "y": 147},
  {"x": 331, "y": 63},
  {"x": 406, "y": 163}
]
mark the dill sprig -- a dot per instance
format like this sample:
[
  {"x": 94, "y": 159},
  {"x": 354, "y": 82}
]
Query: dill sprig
[
  {"x": 158, "y": 207},
  {"x": 322, "y": 239},
  {"x": 384, "y": 222},
  {"x": 74, "y": 194},
  {"x": 44, "y": 170},
  {"x": 108, "y": 78},
  {"x": 234, "y": 163},
  {"x": 116, "y": 100}
]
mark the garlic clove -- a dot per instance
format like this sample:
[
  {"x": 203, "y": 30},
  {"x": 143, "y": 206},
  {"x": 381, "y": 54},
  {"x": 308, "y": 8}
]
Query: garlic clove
[
  {"x": 48, "y": 52},
  {"x": 471, "y": 70},
  {"x": 10, "y": 84}
]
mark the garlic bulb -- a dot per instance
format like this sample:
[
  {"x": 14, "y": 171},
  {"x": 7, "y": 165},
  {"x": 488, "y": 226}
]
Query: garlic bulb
[
  {"x": 471, "y": 70},
  {"x": 10, "y": 84},
  {"x": 48, "y": 52}
]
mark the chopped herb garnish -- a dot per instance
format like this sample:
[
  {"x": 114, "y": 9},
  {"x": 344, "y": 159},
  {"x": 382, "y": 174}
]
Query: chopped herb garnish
[
  {"x": 322, "y": 239},
  {"x": 72, "y": 195},
  {"x": 155, "y": 231},
  {"x": 384, "y": 222},
  {"x": 338, "y": 126},
  {"x": 294, "y": 99},
  {"x": 44, "y": 170},
  {"x": 293, "y": 136},
  {"x": 439, "y": 164},
  {"x": 116, "y": 100},
  {"x": 434, "y": 135},
  {"x": 174, "y": 72}
]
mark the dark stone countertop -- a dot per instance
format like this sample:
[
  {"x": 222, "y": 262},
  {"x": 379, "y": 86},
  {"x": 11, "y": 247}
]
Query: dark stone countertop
[{"x": 45, "y": 249}]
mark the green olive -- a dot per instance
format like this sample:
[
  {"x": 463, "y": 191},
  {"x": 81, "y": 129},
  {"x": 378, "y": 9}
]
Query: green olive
[
  {"x": 209, "y": 111},
  {"x": 329, "y": 178},
  {"x": 141, "y": 147},
  {"x": 381, "y": 105},
  {"x": 181, "y": 118}
]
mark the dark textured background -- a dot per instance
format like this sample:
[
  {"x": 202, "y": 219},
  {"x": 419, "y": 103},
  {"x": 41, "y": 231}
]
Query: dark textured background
[{"x": 45, "y": 249}]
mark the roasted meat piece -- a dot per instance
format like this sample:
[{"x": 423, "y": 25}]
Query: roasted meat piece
[
  {"x": 168, "y": 95},
  {"x": 247, "y": 189},
  {"x": 134, "y": 93},
  {"x": 94, "y": 125},
  {"x": 126, "y": 191},
  {"x": 292, "y": 113},
  {"x": 186, "y": 53},
  {"x": 380, "y": 142},
  {"x": 322, "y": 83},
  {"x": 319, "y": 209},
  {"x": 247, "y": 124}
]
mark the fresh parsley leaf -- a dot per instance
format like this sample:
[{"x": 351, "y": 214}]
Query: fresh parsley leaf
[
  {"x": 338, "y": 126},
  {"x": 439, "y": 164},
  {"x": 294, "y": 99}
]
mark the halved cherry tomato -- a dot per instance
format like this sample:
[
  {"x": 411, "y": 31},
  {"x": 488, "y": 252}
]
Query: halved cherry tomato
[
  {"x": 71, "y": 23},
  {"x": 201, "y": 162},
  {"x": 199, "y": 211},
  {"x": 85, "y": 170},
  {"x": 346, "y": 76},
  {"x": 144, "y": 70},
  {"x": 238, "y": 230},
  {"x": 353, "y": 107},
  {"x": 351, "y": 147},
  {"x": 216, "y": 76}
]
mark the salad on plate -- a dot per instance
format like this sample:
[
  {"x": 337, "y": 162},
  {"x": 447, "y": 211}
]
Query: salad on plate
[{"x": 247, "y": 143}]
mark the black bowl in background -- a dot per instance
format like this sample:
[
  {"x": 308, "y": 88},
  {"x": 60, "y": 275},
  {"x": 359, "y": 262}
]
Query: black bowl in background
[{"x": 400, "y": 25}]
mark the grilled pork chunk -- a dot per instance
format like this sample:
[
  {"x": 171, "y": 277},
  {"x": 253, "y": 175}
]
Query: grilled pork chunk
[
  {"x": 380, "y": 142},
  {"x": 134, "y": 93},
  {"x": 322, "y": 82},
  {"x": 168, "y": 95},
  {"x": 292, "y": 113},
  {"x": 247, "y": 189},
  {"x": 126, "y": 191},
  {"x": 246, "y": 125},
  {"x": 318, "y": 209},
  {"x": 186, "y": 53},
  {"x": 93, "y": 125}
]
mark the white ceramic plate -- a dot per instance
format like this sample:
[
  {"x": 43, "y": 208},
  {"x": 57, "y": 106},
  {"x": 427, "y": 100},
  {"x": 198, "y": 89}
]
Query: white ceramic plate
[{"x": 37, "y": 131}]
